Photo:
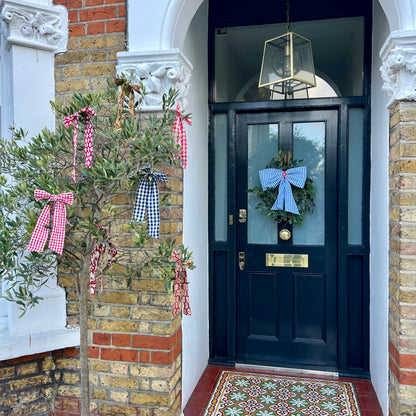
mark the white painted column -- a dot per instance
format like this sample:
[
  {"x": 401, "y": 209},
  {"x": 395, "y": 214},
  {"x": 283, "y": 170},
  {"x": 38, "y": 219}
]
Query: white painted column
[
  {"x": 379, "y": 218},
  {"x": 195, "y": 328},
  {"x": 31, "y": 35}
]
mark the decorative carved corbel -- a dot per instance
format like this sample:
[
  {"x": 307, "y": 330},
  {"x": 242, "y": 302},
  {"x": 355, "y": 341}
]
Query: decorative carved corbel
[
  {"x": 399, "y": 66},
  {"x": 158, "y": 71},
  {"x": 35, "y": 26}
]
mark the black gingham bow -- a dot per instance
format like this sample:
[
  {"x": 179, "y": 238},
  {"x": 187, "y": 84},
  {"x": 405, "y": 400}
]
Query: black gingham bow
[{"x": 147, "y": 198}]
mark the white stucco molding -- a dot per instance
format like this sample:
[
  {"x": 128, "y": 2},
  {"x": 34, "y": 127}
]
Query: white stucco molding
[
  {"x": 159, "y": 71},
  {"x": 398, "y": 70},
  {"x": 34, "y": 25}
]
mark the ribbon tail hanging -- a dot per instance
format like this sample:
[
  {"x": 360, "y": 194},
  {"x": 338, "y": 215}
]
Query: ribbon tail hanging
[
  {"x": 112, "y": 252},
  {"x": 88, "y": 148},
  {"x": 56, "y": 242},
  {"x": 177, "y": 293},
  {"x": 89, "y": 132},
  {"x": 120, "y": 101},
  {"x": 180, "y": 135},
  {"x": 74, "y": 178},
  {"x": 95, "y": 257},
  {"x": 285, "y": 200},
  {"x": 153, "y": 213},
  {"x": 185, "y": 295},
  {"x": 132, "y": 110},
  {"x": 279, "y": 203},
  {"x": 41, "y": 231},
  {"x": 140, "y": 203},
  {"x": 290, "y": 204}
]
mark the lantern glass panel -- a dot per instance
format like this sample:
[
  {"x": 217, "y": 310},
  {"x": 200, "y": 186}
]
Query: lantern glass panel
[
  {"x": 288, "y": 60},
  {"x": 303, "y": 69}
]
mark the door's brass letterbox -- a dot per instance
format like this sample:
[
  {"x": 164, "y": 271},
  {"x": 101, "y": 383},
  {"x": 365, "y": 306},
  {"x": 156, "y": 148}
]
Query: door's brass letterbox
[{"x": 287, "y": 260}]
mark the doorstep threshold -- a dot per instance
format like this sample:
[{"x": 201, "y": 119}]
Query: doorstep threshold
[{"x": 287, "y": 370}]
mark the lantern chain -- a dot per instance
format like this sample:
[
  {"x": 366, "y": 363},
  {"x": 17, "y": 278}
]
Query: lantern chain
[{"x": 287, "y": 16}]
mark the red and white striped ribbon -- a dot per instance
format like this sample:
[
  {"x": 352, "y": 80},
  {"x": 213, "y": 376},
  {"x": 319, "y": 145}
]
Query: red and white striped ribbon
[
  {"x": 180, "y": 287},
  {"x": 41, "y": 230},
  {"x": 89, "y": 133},
  {"x": 97, "y": 259},
  {"x": 179, "y": 134}
]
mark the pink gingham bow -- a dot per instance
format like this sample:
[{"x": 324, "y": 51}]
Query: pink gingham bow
[
  {"x": 97, "y": 257},
  {"x": 41, "y": 230},
  {"x": 180, "y": 286},
  {"x": 89, "y": 133},
  {"x": 180, "y": 135}
]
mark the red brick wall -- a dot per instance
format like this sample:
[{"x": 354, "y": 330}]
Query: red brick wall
[{"x": 96, "y": 34}]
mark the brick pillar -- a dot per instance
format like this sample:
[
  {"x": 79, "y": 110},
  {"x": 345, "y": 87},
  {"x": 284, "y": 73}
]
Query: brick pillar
[
  {"x": 402, "y": 315},
  {"x": 400, "y": 84},
  {"x": 135, "y": 343}
]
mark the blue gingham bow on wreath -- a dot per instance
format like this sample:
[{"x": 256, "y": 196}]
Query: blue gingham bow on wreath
[
  {"x": 270, "y": 178},
  {"x": 147, "y": 198}
]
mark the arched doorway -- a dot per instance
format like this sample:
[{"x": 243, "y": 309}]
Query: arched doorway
[
  {"x": 173, "y": 27},
  {"x": 262, "y": 312}
]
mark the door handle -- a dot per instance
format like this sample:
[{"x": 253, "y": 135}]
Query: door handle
[
  {"x": 242, "y": 216},
  {"x": 241, "y": 260}
]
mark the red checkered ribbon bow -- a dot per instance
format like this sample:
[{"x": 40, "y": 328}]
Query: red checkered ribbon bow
[
  {"x": 180, "y": 286},
  {"x": 89, "y": 133},
  {"x": 180, "y": 135},
  {"x": 97, "y": 257},
  {"x": 41, "y": 230}
]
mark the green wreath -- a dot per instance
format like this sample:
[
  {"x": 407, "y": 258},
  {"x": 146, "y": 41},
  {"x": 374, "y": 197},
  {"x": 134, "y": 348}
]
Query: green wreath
[{"x": 304, "y": 197}]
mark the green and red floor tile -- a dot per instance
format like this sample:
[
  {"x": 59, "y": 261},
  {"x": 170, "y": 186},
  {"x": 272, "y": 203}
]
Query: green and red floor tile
[{"x": 225, "y": 391}]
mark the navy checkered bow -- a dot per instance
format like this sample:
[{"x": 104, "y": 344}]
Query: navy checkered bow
[{"x": 147, "y": 198}]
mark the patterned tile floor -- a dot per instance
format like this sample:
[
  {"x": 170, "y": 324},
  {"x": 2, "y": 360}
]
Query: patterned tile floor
[{"x": 196, "y": 406}]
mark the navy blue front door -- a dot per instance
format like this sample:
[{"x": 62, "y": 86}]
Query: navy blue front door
[{"x": 287, "y": 314}]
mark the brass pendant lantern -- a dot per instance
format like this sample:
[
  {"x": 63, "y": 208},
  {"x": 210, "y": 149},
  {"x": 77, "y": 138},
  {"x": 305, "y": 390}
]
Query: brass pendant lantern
[{"x": 287, "y": 64}]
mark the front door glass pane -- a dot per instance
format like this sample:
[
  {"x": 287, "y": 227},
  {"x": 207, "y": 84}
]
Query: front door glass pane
[
  {"x": 309, "y": 145},
  {"x": 262, "y": 147},
  {"x": 221, "y": 169},
  {"x": 355, "y": 175}
]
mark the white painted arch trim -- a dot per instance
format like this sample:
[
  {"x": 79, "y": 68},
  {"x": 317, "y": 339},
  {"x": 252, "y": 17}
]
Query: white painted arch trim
[
  {"x": 401, "y": 14},
  {"x": 167, "y": 23}
]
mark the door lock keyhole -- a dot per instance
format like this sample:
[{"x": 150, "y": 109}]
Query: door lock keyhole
[{"x": 242, "y": 216}]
